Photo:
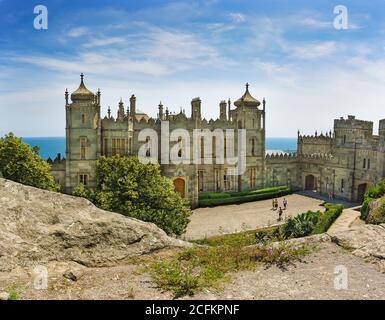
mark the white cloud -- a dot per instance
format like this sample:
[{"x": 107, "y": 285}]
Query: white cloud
[
  {"x": 237, "y": 17},
  {"x": 77, "y": 32}
]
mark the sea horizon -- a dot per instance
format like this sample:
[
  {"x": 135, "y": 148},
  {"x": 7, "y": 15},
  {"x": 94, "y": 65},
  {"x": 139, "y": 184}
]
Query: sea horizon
[{"x": 49, "y": 147}]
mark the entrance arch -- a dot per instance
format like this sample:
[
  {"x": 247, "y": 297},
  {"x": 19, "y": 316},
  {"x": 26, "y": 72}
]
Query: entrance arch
[
  {"x": 179, "y": 186},
  {"x": 310, "y": 182},
  {"x": 361, "y": 189}
]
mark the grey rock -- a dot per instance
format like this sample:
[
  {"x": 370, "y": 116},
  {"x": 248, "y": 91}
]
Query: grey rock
[
  {"x": 38, "y": 227},
  {"x": 4, "y": 295},
  {"x": 365, "y": 241}
]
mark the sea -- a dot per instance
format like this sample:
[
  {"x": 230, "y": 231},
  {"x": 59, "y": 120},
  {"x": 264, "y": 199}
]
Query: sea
[{"x": 49, "y": 147}]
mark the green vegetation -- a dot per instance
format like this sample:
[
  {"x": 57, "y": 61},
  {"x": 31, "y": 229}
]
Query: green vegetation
[
  {"x": 372, "y": 194},
  {"x": 208, "y": 199},
  {"x": 305, "y": 224},
  {"x": 21, "y": 163},
  {"x": 126, "y": 186},
  {"x": 310, "y": 223},
  {"x": 202, "y": 267},
  {"x": 377, "y": 215},
  {"x": 13, "y": 293}
]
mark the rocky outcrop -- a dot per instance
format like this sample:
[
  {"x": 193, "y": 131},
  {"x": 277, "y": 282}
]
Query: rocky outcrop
[
  {"x": 38, "y": 227},
  {"x": 366, "y": 241}
]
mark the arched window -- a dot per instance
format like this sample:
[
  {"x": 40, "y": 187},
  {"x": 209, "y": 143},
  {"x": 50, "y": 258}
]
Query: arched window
[
  {"x": 83, "y": 118},
  {"x": 253, "y": 147},
  {"x": 180, "y": 147}
]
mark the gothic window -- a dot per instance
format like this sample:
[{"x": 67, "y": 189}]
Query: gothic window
[
  {"x": 253, "y": 147},
  {"x": 344, "y": 139},
  {"x": 226, "y": 182},
  {"x": 368, "y": 163},
  {"x": 83, "y": 145},
  {"x": 83, "y": 119},
  {"x": 200, "y": 180},
  {"x": 83, "y": 179},
  {"x": 148, "y": 151},
  {"x": 342, "y": 185},
  {"x": 202, "y": 147},
  {"x": 364, "y": 164},
  {"x": 252, "y": 177},
  {"x": 180, "y": 147}
]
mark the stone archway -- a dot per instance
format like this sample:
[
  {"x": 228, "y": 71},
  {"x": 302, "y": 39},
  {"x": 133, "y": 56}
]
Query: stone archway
[
  {"x": 310, "y": 182},
  {"x": 179, "y": 186},
  {"x": 361, "y": 189}
]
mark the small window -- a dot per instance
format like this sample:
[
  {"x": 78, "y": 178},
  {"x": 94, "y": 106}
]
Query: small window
[
  {"x": 368, "y": 163},
  {"x": 344, "y": 139},
  {"x": 364, "y": 164},
  {"x": 342, "y": 185},
  {"x": 83, "y": 119},
  {"x": 83, "y": 144},
  {"x": 83, "y": 179}
]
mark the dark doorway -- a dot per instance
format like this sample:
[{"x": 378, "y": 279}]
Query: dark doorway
[
  {"x": 361, "y": 192},
  {"x": 310, "y": 182}
]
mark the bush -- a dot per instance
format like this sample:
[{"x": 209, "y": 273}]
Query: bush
[
  {"x": 372, "y": 194},
  {"x": 301, "y": 225},
  {"x": 327, "y": 218},
  {"x": 377, "y": 215},
  {"x": 262, "y": 195},
  {"x": 21, "y": 163},
  {"x": 126, "y": 186}
]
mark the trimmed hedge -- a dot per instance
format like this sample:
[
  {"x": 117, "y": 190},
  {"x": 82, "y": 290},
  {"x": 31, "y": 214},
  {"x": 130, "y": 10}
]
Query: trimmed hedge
[
  {"x": 256, "y": 196},
  {"x": 326, "y": 219}
]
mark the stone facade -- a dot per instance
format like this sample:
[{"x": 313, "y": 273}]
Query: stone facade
[
  {"x": 89, "y": 136},
  {"x": 344, "y": 162}
]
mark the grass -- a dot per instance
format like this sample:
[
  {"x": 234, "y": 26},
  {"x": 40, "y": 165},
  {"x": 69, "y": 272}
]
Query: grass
[
  {"x": 13, "y": 293},
  {"x": 245, "y": 238},
  {"x": 204, "y": 267}
]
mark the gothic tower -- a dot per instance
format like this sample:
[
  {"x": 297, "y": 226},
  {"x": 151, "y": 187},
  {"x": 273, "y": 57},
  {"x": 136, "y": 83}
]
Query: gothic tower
[{"x": 83, "y": 136}]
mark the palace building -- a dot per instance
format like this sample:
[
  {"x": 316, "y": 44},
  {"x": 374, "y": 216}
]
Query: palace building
[{"x": 344, "y": 162}]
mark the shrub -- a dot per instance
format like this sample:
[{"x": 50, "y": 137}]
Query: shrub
[
  {"x": 245, "y": 198},
  {"x": 327, "y": 218},
  {"x": 21, "y": 163},
  {"x": 372, "y": 194},
  {"x": 301, "y": 225},
  {"x": 377, "y": 215}
]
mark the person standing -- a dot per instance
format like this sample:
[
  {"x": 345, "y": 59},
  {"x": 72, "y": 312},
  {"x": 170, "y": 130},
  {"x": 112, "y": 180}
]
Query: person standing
[
  {"x": 284, "y": 204},
  {"x": 280, "y": 212}
]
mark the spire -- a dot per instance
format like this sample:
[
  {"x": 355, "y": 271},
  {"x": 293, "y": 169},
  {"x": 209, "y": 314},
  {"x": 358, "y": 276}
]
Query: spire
[
  {"x": 82, "y": 77},
  {"x": 66, "y": 96},
  {"x": 82, "y": 93},
  {"x": 109, "y": 112},
  {"x": 247, "y": 86},
  {"x": 264, "y": 104}
]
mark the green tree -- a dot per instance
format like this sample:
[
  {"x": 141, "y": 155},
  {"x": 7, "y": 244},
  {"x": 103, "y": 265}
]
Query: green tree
[
  {"x": 21, "y": 163},
  {"x": 126, "y": 186}
]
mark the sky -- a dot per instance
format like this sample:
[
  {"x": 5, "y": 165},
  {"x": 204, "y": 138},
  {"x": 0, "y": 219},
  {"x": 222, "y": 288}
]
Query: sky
[{"x": 289, "y": 51}]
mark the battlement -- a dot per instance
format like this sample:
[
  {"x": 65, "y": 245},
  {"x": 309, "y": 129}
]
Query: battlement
[
  {"x": 58, "y": 160},
  {"x": 317, "y": 156},
  {"x": 352, "y": 123},
  {"x": 316, "y": 138},
  {"x": 281, "y": 156}
]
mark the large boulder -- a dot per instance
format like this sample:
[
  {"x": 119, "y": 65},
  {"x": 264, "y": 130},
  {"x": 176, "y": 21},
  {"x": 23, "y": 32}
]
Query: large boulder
[
  {"x": 38, "y": 227},
  {"x": 366, "y": 241}
]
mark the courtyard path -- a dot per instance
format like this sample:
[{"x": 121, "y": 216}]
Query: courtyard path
[{"x": 206, "y": 222}]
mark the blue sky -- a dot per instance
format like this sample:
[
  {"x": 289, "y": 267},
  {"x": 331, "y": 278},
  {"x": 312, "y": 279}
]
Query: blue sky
[{"x": 173, "y": 51}]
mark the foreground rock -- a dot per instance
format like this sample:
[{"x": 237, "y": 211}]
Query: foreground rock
[
  {"x": 365, "y": 241},
  {"x": 38, "y": 227}
]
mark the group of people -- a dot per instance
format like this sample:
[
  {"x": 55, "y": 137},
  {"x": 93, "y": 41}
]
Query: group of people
[{"x": 279, "y": 208}]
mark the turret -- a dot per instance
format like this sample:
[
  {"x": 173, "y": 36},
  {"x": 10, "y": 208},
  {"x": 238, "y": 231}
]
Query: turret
[
  {"x": 133, "y": 107},
  {"x": 160, "y": 114},
  {"x": 222, "y": 110},
  {"x": 196, "y": 109}
]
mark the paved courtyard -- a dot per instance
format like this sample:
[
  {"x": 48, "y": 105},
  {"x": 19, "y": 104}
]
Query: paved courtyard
[{"x": 206, "y": 222}]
